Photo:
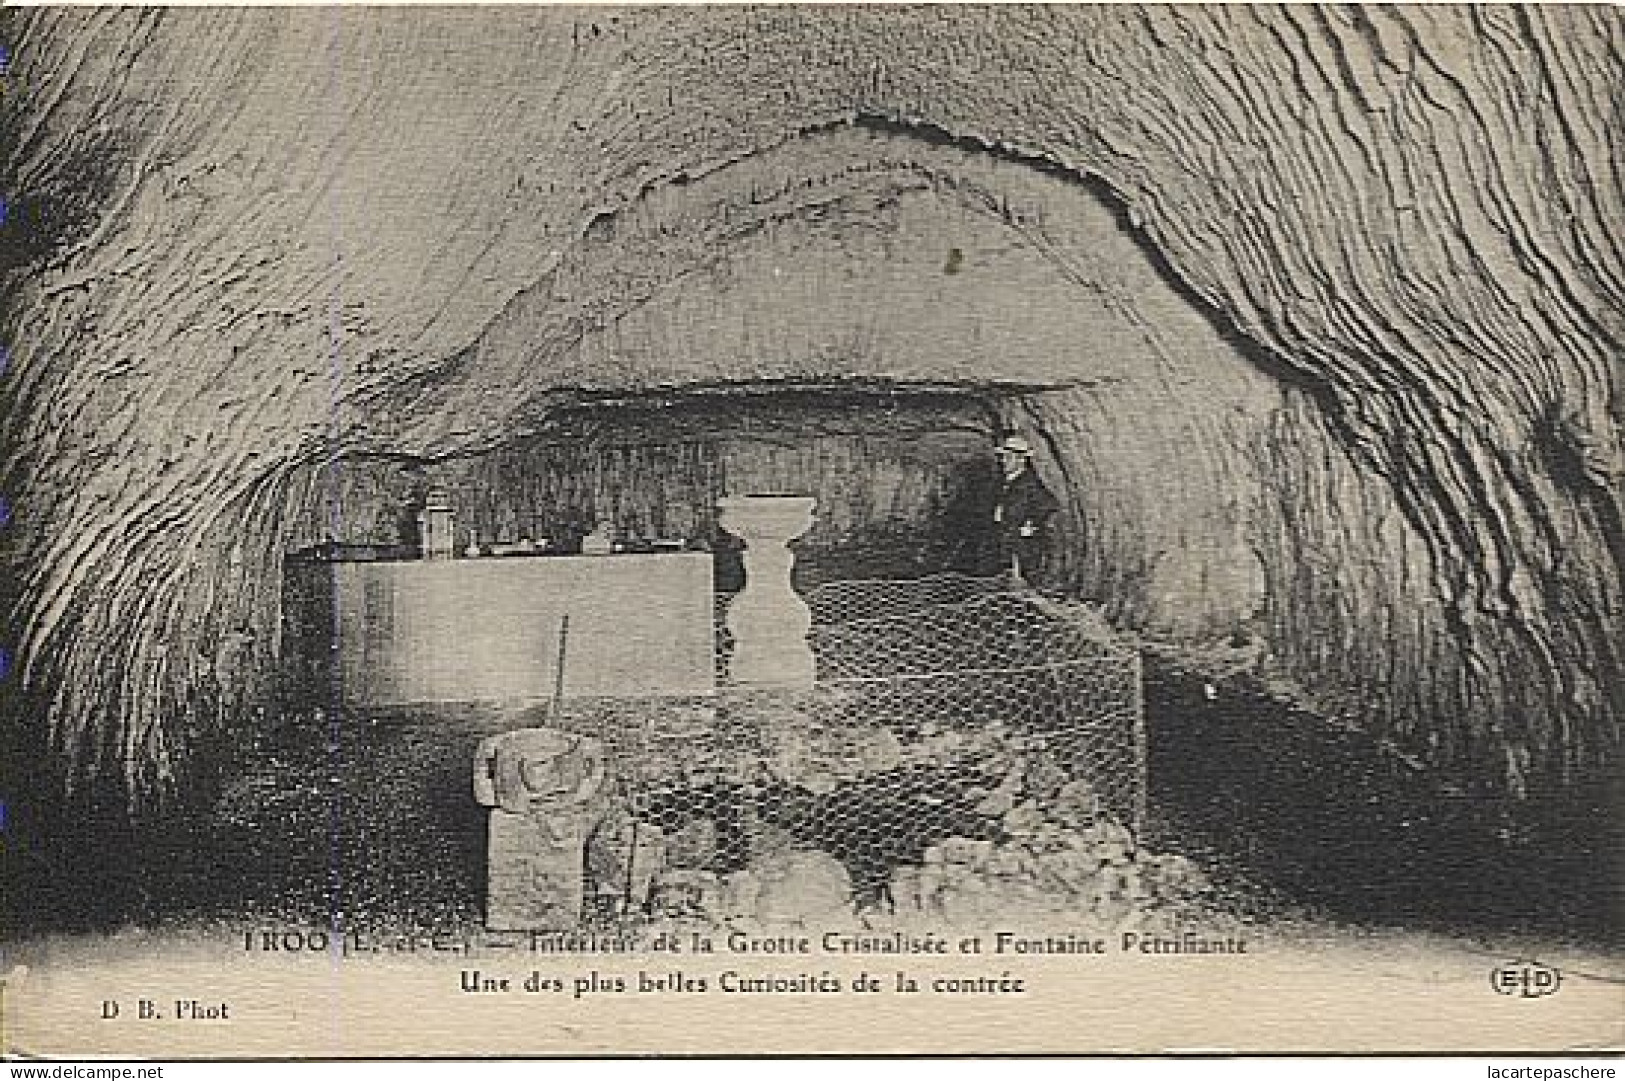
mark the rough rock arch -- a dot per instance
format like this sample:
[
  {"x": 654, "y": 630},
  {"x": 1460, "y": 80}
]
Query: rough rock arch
[{"x": 247, "y": 241}]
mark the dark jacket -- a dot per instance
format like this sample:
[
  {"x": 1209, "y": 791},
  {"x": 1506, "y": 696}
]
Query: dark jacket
[
  {"x": 983, "y": 538},
  {"x": 1023, "y": 502}
]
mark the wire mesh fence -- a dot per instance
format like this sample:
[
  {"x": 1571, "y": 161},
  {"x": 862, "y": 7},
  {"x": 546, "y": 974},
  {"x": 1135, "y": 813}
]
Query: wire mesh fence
[
  {"x": 1047, "y": 677},
  {"x": 946, "y": 711},
  {"x": 841, "y": 602}
]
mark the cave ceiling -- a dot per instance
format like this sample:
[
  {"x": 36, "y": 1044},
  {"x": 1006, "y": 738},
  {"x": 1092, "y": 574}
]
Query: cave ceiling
[{"x": 848, "y": 257}]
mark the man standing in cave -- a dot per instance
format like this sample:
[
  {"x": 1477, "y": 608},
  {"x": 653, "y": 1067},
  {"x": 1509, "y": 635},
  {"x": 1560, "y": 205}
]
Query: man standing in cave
[{"x": 1021, "y": 511}]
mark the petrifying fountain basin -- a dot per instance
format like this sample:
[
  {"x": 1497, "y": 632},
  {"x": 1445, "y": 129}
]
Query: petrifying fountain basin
[{"x": 768, "y": 621}]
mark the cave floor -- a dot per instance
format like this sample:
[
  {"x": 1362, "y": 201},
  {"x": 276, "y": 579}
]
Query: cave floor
[
  {"x": 369, "y": 822},
  {"x": 1316, "y": 821}
]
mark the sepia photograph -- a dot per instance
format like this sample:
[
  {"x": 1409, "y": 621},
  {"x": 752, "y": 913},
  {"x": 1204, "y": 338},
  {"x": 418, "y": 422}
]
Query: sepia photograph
[{"x": 539, "y": 531}]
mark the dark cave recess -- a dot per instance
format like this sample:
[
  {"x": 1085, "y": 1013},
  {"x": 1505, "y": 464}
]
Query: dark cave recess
[{"x": 899, "y": 472}]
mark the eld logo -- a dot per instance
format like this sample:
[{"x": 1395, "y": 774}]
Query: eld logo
[{"x": 1526, "y": 979}]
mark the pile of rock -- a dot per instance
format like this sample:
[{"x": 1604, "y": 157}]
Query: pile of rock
[
  {"x": 1042, "y": 874},
  {"x": 1042, "y": 870}
]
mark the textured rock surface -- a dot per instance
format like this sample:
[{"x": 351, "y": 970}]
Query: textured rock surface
[{"x": 248, "y": 242}]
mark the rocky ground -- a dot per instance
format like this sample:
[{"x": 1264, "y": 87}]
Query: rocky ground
[
  {"x": 1257, "y": 816},
  {"x": 1311, "y": 814},
  {"x": 372, "y": 820}
]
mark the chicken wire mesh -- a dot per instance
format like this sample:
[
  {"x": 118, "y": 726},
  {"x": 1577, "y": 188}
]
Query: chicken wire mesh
[
  {"x": 878, "y": 598},
  {"x": 947, "y": 712}
]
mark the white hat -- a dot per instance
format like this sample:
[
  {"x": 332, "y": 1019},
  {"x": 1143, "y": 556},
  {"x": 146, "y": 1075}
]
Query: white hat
[{"x": 1016, "y": 444}]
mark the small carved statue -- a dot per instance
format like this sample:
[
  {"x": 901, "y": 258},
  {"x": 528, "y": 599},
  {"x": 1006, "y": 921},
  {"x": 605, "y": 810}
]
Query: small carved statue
[
  {"x": 559, "y": 833},
  {"x": 546, "y": 791}
]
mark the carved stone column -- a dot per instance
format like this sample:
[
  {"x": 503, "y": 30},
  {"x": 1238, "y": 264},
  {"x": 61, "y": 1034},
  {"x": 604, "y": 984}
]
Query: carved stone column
[{"x": 768, "y": 621}]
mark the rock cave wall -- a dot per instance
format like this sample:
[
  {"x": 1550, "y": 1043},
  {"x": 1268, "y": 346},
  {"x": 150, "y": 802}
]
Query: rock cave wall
[{"x": 247, "y": 244}]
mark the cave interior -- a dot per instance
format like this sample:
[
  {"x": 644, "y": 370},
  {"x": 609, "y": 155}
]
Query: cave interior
[{"x": 1376, "y": 625}]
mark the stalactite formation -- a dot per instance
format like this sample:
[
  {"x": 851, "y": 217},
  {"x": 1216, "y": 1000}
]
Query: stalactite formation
[{"x": 1333, "y": 299}]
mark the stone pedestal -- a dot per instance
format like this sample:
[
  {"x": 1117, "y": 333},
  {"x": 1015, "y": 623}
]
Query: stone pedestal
[
  {"x": 768, "y": 621},
  {"x": 544, "y": 790},
  {"x": 537, "y": 877}
]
